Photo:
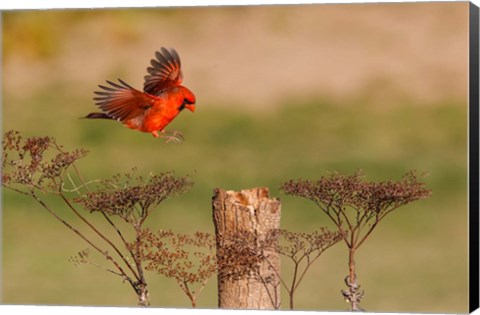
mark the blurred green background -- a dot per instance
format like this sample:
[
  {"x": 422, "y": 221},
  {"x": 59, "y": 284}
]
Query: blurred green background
[{"x": 283, "y": 92}]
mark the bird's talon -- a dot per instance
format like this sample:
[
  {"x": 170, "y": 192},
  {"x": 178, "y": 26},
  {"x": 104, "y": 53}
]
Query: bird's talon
[{"x": 172, "y": 136}]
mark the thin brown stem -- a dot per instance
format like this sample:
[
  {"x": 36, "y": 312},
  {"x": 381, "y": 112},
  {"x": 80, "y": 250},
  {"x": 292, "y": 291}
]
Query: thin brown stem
[
  {"x": 353, "y": 295},
  {"x": 136, "y": 258},
  {"x": 187, "y": 291},
  {"x": 351, "y": 264},
  {"x": 343, "y": 213},
  {"x": 19, "y": 191},
  {"x": 104, "y": 253},
  {"x": 284, "y": 284},
  {"x": 114, "y": 247},
  {"x": 368, "y": 233},
  {"x": 272, "y": 299}
]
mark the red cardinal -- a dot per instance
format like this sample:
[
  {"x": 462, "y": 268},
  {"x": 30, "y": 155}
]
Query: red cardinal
[{"x": 162, "y": 99}]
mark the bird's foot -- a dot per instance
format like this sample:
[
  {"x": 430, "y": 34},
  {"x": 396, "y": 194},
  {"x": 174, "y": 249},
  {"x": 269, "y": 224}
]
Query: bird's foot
[{"x": 174, "y": 136}]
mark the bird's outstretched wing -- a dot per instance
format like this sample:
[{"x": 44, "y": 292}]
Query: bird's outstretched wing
[
  {"x": 122, "y": 102},
  {"x": 165, "y": 71}
]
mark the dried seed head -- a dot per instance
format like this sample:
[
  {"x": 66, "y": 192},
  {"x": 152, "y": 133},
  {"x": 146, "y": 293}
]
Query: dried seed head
[
  {"x": 338, "y": 191},
  {"x": 188, "y": 258},
  {"x": 298, "y": 245},
  {"x": 132, "y": 198},
  {"x": 36, "y": 161}
]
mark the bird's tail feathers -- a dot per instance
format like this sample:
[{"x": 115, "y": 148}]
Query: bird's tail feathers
[{"x": 98, "y": 116}]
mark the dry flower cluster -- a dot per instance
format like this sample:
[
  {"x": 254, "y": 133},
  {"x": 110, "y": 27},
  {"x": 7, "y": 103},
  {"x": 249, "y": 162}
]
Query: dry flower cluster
[
  {"x": 35, "y": 163},
  {"x": 239, "y": 256},
  {"x": 300, "y": 245},
  {"x": 189, "y": 259},
  {"x": 133, "y": 198}
]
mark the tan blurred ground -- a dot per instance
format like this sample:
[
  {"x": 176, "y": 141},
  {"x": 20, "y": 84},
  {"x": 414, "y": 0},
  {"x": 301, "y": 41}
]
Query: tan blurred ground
[{"x": 254, "y": 56}]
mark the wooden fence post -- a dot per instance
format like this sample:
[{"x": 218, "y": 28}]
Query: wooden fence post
[{"x": 245, "y": 218}]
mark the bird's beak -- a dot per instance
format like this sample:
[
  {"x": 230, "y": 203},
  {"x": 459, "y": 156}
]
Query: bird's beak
[{"x": 190, "y": 107}]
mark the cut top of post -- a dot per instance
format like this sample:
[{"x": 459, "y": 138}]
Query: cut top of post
[{"x": 248, "y": 210}]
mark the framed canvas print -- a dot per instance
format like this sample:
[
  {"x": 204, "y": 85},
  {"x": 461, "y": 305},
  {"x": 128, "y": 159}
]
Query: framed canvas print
[{"x": 301, "y": 157}]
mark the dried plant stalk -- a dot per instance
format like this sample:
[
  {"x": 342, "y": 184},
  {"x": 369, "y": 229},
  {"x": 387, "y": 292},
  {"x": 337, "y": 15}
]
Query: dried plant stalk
[
  {"x": 39, "y": 164},
  {"x": 356, "y": 207},
  {"x": 302, "y": 249}
]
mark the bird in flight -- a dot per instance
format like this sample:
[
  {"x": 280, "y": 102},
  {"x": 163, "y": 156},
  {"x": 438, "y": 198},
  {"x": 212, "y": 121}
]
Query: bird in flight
[{"x": 162, "y": 99}]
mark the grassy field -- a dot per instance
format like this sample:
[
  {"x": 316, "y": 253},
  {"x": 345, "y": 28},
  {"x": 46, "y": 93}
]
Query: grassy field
[
  {"x": 260, "y": 121},
  {"x": 419, "y": 254}
]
